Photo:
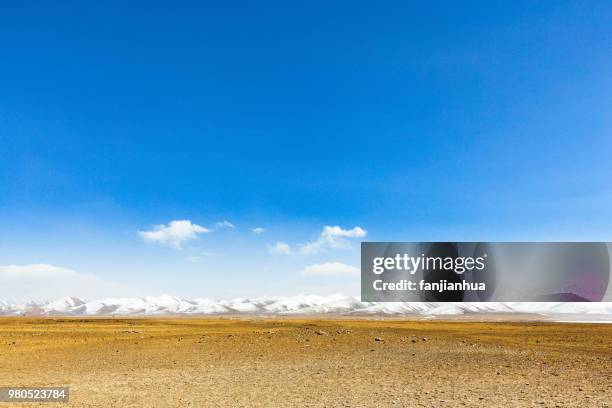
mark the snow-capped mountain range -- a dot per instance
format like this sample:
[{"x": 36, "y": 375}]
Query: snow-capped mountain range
[{"x": 294, "y": 305}]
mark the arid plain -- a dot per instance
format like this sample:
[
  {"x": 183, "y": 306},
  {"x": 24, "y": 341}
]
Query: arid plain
[{"x": 277, "y": 362}]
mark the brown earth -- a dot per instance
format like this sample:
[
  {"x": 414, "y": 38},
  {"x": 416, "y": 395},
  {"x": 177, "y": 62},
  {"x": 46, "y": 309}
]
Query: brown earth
[{"x": 292, "y": 363}]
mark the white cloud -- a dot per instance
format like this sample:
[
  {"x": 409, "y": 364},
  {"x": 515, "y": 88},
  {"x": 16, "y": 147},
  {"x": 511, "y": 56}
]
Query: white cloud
[
  {"x": 258, "y": 230},
  {"x": 174, "y": 234},
  {"x": 330, "y": 269},
  {"x": 199, "y": 256},
  {"x": 331, "y": 237},
  {"x": 224, "y": 224},
  {"x": 280, "y": 248},
  {"x": 44, "y": 281}
]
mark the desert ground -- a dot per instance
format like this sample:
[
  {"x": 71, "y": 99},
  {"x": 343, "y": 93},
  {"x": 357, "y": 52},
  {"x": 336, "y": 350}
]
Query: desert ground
[{"x": 277, "y": 362}]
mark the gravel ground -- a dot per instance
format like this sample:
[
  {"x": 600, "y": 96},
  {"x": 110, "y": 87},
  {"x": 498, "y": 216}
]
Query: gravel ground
[{"x": 192, "y": 362}]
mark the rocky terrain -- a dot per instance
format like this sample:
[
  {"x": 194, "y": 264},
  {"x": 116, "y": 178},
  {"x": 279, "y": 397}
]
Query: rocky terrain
[{"x": 288, "y": 362}]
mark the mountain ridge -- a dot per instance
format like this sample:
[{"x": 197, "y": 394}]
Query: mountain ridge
[{"x": 291, "y": 305}]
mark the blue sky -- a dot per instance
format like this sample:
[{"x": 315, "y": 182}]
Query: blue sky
[{"x": 412, "y": 121}]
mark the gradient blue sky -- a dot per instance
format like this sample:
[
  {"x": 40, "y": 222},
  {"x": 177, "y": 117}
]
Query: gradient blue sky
[{"x": 412, "y": 120}]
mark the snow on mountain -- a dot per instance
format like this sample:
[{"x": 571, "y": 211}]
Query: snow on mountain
[
  {"x": 68, "y": 304},
  {"x": 294, "y": 305}
]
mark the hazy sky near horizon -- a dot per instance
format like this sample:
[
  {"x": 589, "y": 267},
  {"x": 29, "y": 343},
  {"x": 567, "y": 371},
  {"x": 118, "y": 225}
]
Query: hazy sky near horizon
[{"x": 201, "y": 149}]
